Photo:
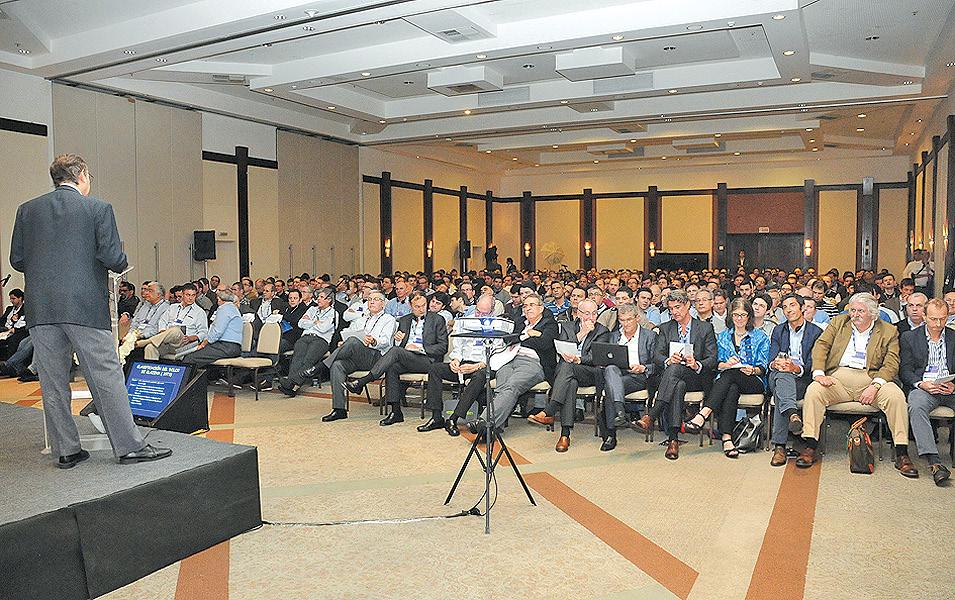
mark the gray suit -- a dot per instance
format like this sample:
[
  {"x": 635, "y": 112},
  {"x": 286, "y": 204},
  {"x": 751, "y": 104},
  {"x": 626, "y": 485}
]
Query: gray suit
[
  {"x": 65, "y": 244},
  {"x": 617, "y": 384}
]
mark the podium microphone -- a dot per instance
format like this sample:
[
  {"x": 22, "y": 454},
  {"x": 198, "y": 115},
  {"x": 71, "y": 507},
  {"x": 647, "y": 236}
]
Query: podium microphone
[{"x": 4, "y": 281}]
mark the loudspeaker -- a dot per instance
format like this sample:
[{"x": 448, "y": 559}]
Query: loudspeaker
[
  {"x": 465, "y": 250},
  {"x": 203, "y": 245}
]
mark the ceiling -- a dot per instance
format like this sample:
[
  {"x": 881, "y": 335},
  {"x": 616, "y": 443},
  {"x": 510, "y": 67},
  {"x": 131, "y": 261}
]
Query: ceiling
[{"x": 521, "y": 84}]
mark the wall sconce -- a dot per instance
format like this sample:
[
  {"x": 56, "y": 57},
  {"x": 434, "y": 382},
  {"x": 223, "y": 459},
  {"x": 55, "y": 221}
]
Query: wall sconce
[
  {"x": 527, "y": 248},
  {"x": 429, "y": 248},
  {"x": 653, "y": 249},
  {"x": 387, "y": 247},
  {"x": 807, "y": 247},
  {"x": 587, "y": 248}
]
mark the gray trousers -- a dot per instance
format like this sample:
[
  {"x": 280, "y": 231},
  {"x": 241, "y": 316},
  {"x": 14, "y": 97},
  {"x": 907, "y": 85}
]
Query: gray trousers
[
  {"x": 563, "y": 394},
  {"x": 211, "y": 353},
  {"x": 513, "y": 379},
  {"x": 351, "y": 356},
  {"x": 22, "y": 357},
  {"x": 786, "y": 389},
  {"x": 617, "y": 385},
  {"x": 53, "y": 354},
  {"x": 309, "y": 349},
  {"x": 921, "y": 403}
]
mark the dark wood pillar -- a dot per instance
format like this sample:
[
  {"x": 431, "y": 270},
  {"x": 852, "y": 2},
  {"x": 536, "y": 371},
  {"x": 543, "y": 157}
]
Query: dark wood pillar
[
  {"x": 921, "y": 200},
  {"x": 912, "y": 242},
  {"x": 949, "y": 267},
  {"x": 651, "y": 225},
  {"x": 810, "y": 224},
  {"x": 428, "y": 250},
  {"x": 464, "y": 244},
  {"x": 722, "y": 224},
  {"x": 867, "y": 224},
  {"x": 384, "y": 208},
  {"x": 588, "y": 230},
  {"x": 936, "y": 146},
  {"x": 242, "y": 187},
  {"x": 528, "y": 248},
  {"x": 489, "y": 221}
]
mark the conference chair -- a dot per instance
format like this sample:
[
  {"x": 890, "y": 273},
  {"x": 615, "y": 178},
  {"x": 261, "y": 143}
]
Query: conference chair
[{"x": 270, "y": 336}]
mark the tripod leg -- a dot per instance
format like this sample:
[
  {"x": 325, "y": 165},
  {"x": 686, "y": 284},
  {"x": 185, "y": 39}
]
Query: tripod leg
[
  {"x": 457, "y": 480},
  {"x": 517, "y": 472}
]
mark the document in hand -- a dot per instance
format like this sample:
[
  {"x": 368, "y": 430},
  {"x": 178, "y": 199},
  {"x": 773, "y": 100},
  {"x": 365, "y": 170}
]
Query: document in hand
[
  {"x": 566, "y": 348},
  {"x": 680, "y": 348}
]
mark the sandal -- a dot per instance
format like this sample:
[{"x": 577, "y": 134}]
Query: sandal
[
  {"x": 732, "y": 451},
  {"x": 692, "y": 428}
]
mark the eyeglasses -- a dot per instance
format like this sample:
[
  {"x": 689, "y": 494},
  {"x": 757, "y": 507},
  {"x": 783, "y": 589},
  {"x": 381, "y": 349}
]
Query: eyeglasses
[
  {"x": 586, "y": 312},
  {"x": 740, "y": 315},
  {"x": 529, "y": 304}
]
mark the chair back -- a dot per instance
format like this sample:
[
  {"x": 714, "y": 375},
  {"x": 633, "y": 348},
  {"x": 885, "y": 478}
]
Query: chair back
[
  {"x": 246, "y": 337},
  {"x": 270, "y": 337}
]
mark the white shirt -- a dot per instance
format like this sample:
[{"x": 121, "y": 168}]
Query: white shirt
[
  {"x": 381, "y": 327},
  {"x": 318, "y": 322},
  {"x": 633, "y": 347},
  {"x": 192, "y": 317}
]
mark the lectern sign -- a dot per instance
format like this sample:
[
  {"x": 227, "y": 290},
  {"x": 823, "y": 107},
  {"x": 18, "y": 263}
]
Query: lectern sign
[{"x": 152, "y": 387}]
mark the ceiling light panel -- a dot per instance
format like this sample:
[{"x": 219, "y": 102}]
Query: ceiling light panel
[{"x": 465, "y": 79}]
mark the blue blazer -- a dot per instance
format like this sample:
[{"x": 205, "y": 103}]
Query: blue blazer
[
  {"x": 779, "y": 342},
  {"x": 758, "y": 355}
]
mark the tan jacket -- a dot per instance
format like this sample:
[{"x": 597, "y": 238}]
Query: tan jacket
[{"x": 882, "y": 352}]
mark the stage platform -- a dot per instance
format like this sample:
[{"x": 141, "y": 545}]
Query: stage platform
[{"x": 83, "y": 532}]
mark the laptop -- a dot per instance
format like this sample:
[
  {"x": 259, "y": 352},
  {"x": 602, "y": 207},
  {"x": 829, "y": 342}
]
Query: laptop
[{"x": 604, "y": 355}]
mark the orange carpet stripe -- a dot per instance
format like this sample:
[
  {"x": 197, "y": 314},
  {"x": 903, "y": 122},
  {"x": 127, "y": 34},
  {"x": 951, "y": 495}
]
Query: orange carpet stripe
[
  {"x": 28, "y": 402},
  {"x": 205, "y": 575},
  {"x": 653, "y": 560},
  {"x": 223, "y": 410},
  {"x": 37, "y": 392},
  {"x": 780, "y": 571},
  {"x": 221, "y": 435}
]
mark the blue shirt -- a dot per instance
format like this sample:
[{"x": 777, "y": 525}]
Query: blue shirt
[
  {"x": 398, "y": 309},
  {"x": 653, "y": 314},
  {"x": 227, "y": 326},
  {"x": 753, "y": 350}
]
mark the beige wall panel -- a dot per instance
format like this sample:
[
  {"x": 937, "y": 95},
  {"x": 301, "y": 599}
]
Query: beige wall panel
[
  {"x": 893, "y": 215},
  {"x": 264, "y": 232},
  {"x": 371, "y": 210},
  {"x": 185, "y": 187},
  {"x": 507, "y": 231},
  {"x": 687, "y": 224},
  {"x": 476, "y": 231},
  {"x": 941, "y": 229},
  {"x": 558, "y": 225},
  {"x": 446, "y": 228},
  {"x": 29, "y": 153},
  {"x": 837, "y": 230},
  {"x": 620, "y": 241},
  {"x": 407, "y": 235},
  {"x": 219, "y": 213}
]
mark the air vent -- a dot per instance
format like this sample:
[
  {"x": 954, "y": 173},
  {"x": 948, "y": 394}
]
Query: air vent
[
  {"x": 508, "y": 96},
  {"x": 454, "y": 26},
  {"x": 465, "y": 88},
  {"x": 465, "y": 79},
  {"x": 826, "y": 118},
  {"x": 830, "y": 145},
  {"x": 720, "y": 147},
  {"x": 628, "y": 128},
  {"x": 4, "y": 16},
  {"x": 822, "y": 75},
  {"x": 592, "y": 107},
  {"x": 230, "y": 79}
]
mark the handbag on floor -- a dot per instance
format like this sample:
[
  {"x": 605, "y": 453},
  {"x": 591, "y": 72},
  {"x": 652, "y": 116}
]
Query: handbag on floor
[
  {"x": 861, "y": 455},
  {"x": 748, "y": 434}
]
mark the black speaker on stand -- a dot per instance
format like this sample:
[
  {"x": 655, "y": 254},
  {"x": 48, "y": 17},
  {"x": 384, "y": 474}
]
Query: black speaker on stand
[{"x": 203, "y": 245}]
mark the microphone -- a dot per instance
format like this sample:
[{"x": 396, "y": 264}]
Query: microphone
[{"x": 4, "y": 281}]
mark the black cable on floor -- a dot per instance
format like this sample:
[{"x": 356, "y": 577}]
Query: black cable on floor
[{"x": 463, "y": 513}]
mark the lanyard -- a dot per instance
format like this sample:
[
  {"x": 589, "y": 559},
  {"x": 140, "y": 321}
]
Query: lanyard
[
  {"x": 149, "y": 312},
  {"x": 855, "y": 348},
  {"x": 179, "y": 312},
  {"x": 368, "y": 330}
]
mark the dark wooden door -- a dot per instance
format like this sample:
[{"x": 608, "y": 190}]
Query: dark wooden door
[{"x": 764, "y": 250}]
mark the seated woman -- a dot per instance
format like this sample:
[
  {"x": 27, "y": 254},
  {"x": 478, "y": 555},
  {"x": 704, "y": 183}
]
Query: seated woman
[{"x": 744, "y": 358}]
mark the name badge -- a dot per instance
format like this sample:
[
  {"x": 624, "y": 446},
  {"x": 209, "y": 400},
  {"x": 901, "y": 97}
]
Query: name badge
[
  {"x": 796, "y": 360},
  {"x": 178, "y": 321},
  {"x": 418, "y": 340},
  {"x": 857, "y": 360},
  {"x": 931, "y": 373}
]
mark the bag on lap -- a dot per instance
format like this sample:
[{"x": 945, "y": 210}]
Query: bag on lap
[
  {"x": 861, "y": 455},
  {"x": 748, "y": 434}
]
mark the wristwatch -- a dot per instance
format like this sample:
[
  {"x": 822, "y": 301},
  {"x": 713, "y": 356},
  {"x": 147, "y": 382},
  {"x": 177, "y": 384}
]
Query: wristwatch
[{"x": 877, "y": 385}]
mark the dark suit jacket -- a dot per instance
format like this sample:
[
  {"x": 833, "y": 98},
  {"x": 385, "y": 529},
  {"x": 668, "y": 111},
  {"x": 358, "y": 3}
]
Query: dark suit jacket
[
  {"x": 128, "y": 306},
  {"x": 645, "y": 348},
  {"x": 701, "y": 336},
  {"x": 434, "y": 336},
  {"x": 913, "y": 351},
  {"x": 903, "y": 325},
  {"x": 65, "y": 245},
  {"x": 6, "y": 314},
  {"x": 543, "y": 344},
  {"x": 569, "y": 331},
  {"x": 292, "y": 316},
  {"x": 779, "y": 342}
]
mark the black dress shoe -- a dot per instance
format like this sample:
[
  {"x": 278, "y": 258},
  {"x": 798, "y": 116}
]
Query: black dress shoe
[
  {"x": 392, "y": 418},
  {"x": 451, "y": 426},
  {"x": 610, "y": 442},
  {"x": 286, "y": 389},
  {"x": 353, "y": 387},
  {"x": 939, "y": 473},
  {"x": 28, "y": 377},
  {"x": 335, "y": 415},
  {"x": 70, "y": 461},
  {"x": 145, "y": 454},
  {"x": 621, "y": 421},
  {"x": 431, "y": 425}
]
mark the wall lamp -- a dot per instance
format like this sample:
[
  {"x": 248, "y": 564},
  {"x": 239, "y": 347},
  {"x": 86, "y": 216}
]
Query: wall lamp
[
  {"x": 807, "y": 247},
  {"x": 429, "y": 248},
  {"x": 653, "y": 249},
  {"x": 387, "y": 247},
  {"x": 587, "y": 248},
  {"x": 527, "y": 248}
]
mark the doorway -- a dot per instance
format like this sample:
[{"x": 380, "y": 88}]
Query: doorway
[{"x": 764, "y": 250}]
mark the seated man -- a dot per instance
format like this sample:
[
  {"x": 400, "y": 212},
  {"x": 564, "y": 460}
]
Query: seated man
[
  {"x": 914, "y": 313},
  {"x": 365, "y": 340},
  {"x": 790, "y": 372},
  {"x": 127, "y": 303},
  {"x": 224, "y": 338},
  {"x": 927, "y": 353},
  {"x": 14, "y": 325},
  {"x": 145, "y": 321},
  {"x": 182, "y": 324},
  {"x": 573, "y": 370},
  {"x": 682, "y": 372},
  {"x": 400, "y": 305},
  {"x": 534, "y": 362},
  {"x": 617, "y": 384},
  {"x": 16, "y": 365},
  {"x": 857, "y": 358},
  {"x": 465, "y": 364},
  {"x": 318, "y": 327},
  {"x": 557, "y": 302},
  {"x": 422, "y": 339}
]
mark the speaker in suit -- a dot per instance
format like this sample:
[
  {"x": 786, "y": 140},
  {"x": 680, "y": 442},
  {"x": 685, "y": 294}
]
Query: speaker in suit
[
  {"x": 569, "y": 375},
  {"x": 928, "y": 352},
  {"x": 788, "y": 380},
  {"x": 65, "y": 243},
  {"x": 421, "y": 340}
]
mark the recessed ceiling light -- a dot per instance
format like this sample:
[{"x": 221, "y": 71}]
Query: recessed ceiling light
[
  {"x": 23, "y": 51},
  {"x": 796, "y": 79},
  {"x": 555, "y": 146},
  {"x": 596, "y": 162},
  {"x": 911, "y": 133},
  {"x": 536, "y": 164},
  {"x": 404, "y": 118},
  {"x": 950, "y": 64},
  {"x": 268, "y": 90},
  {"x": 812, "y": 140},
  {"x": 160, "y": 60},
  {"x": 789, "y": 52},
  {"x": 365, "y": 74},
  {"x": 308, "y": 28},
  {"x": 669, "y": 48},
  {"x": 593, "y": 110},
  {"x": 544, "y": 47},
  {"x": 759, "y": 83},
  {"x": 663, "y": 158},
  {"x": 871, "y": 38},
  {"x": 694, "y": 27},
  {"x": 487, "y": 152},
  {"x": 481, "y": 56},
  {"x": 294, "y": 87},
  {"x": 422, "y": 65},
  {"x": 633, "y": 141},
  {"x": 672, "y": 91},
  {"x": 861, "y": 115},
  {"x": 906, "y": 143},
  {"x": 279, "y": 17},
  {"x": 382, "y": 121},
  {"x": 563, "y": 101},
  {"x": 129, "y": 52},
  {"x": 616, "y": 38},
  {"x": 736, "y": 154},
  {"x": 417, "y": 156},
  {"x": 408, "y": 82},
  {"x": 527, "y": 66},
  {"x": 860, "y": 129},
  {"x": 918, "y": 120},
  {"x": 778, "y": 17},
  {"x": 803, "y": 110},
  {"x": 515, "y": 158},
  {"x": 815, "y": 149},
  {"x": 467, "y": 112},
  {"x": 311, "y": 12},
  {"x": 883, "y": 147},
  {"x": 447, "y": 139},
  {"x": 731, "y": 23},
  {"x": 330, "y": 107},
  {"x": 267, "y": 45},
  {"x": 808, "y": 128}
]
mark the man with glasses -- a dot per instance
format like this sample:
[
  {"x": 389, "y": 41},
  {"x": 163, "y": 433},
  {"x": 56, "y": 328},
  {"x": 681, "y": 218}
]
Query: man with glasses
[
  {"x": 182, "y": 324},
  {"x": 914, "y": 313},
  {"x": 365, "y": 340},
  {"x": 534, "y": 362},
  {"x": 573, "y": 370}
]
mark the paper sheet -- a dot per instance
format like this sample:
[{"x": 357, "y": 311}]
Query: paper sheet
[{"x": 566, "y": 348}]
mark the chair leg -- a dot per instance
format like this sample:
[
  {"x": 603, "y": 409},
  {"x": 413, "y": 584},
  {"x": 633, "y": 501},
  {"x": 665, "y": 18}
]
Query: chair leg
[
  {"x": 228, "y": 380},
  {"x": 255, "y": 383},
  {"x": 825, "y": 434},
  {"x": 881, "y": 436}
]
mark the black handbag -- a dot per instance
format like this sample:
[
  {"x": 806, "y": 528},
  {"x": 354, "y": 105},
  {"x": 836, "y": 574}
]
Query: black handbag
[{"x": 861, "y": 455}]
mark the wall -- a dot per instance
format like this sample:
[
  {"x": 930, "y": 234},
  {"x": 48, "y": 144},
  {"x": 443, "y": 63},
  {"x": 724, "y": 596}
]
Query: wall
[
  {"x": 222, "y": 134},
  {"x": 407, "y": 236},
  {"x": 687, "y": 224},
  {"x": 446, "y": 231},
  {"x": 32, "y": 102},
  {"x": 30, "y": 155},
  {"x": 893, "y": 215},
  {"x": 837, "y": 230},
  {"x": 558, "y": 234},
  {"x": 219, "y": 213},
  {"x": 620, "y": 241},
  {"x": 506, "y": 219}
]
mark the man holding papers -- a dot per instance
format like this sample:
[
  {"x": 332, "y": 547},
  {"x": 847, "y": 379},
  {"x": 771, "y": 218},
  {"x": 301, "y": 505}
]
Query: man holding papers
[
  {"x": 575, "y": 368},
  {"x": 617, "y": 382},
  {"x": 927, "y": 366}
]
